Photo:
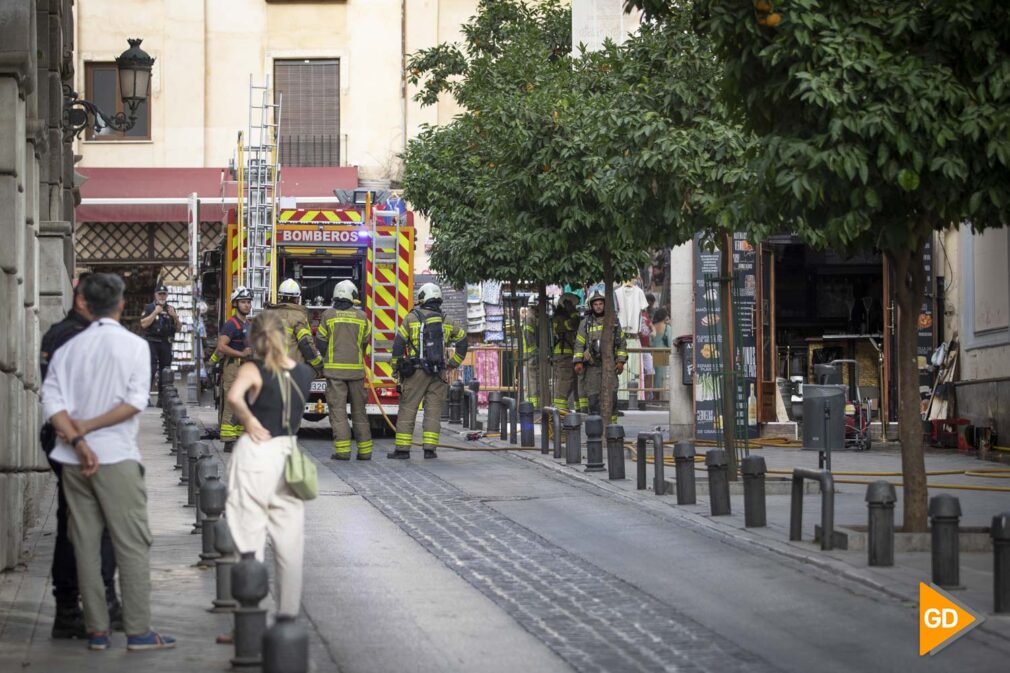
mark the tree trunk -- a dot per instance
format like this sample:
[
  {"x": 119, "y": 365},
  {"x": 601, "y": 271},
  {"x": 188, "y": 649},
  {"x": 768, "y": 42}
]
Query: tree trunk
[
  {"x": 608, "y": 388},
  {"x": 544, "y": 348},
  {"x": 909, "y": 292}
]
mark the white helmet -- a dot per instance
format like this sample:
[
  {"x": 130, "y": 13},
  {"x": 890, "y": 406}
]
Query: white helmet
[
  {"x": 346, "y": 290},
  {"x": 290, "y": 289},
  {"x": 241, "y": 292},
  {"x": 429, "y": 292}
]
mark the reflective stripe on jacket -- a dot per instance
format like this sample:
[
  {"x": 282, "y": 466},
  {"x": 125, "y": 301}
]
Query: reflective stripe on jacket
[
  {"x": 565, "y": 328},
  {"x": 590, "y": 330},
  {"x": 347, "y": 336}
]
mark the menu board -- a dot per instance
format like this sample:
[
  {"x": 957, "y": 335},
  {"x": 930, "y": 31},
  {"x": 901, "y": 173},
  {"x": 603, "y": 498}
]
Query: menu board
[
  {"x": 708, "y": 339},
  {"x": 924, "y": 338}
]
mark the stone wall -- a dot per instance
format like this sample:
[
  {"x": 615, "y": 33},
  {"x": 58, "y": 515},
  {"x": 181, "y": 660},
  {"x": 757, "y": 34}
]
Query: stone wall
[{"x": 36, "y": 241}]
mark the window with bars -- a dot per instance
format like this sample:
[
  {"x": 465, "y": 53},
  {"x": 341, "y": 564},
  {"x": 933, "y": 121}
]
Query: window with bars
[
  {"x": 101, "y": 87},
  {"x": 309, "y": 91}
]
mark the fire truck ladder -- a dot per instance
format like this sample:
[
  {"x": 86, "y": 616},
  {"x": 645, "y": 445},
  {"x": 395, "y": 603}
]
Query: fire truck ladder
[
  {"x": 258, "y": 191},
  {"x": 385, "y": 252}
]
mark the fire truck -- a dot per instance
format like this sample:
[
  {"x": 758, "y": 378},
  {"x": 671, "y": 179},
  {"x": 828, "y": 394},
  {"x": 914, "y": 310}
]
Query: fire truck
[{"x": 319, "y": 248}]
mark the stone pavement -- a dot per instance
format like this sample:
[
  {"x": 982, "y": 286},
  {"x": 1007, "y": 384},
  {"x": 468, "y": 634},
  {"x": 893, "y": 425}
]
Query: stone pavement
[{"x": 900, "y": 581}]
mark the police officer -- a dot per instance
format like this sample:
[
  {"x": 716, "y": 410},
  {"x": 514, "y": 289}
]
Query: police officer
[
  {"x": 69, "y": 620},
  {"x": 565, "y": 325},
  {"x": 419, "y": 357},
  {"x": 530, "y": 350},
  {"x": 344, "y": 337},
  {"x": 232, "y": 350},
  {"x": 301, "y": 345},
  {"x": 160, "y": 323},
  {"x": 588, "y": 357}
]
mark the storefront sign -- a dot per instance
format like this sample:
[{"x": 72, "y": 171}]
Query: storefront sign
[
  {"x": 328, "y": 236},
  {"x": 708, "y": 339}
]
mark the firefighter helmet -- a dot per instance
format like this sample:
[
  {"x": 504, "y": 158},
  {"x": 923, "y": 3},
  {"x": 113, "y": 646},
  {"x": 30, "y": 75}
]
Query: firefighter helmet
[
  {"x": 594, "y": 296},
  {"x": 289, "y": 289},
  {"x": 570, "y": 299},
  {"x": 429, "y": 292},
  {"x": 240, "y": 293},
  {"x": 346, "y": 290}
]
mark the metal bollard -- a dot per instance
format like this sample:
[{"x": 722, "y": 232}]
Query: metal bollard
[
  {"x": 880, "y": 498},
  {"x": 455, "y": 402},
  {"x": 526, "y": 434},
  {"x": 640, "y": 459},
  {"x": 188, "y": 434},
  {"x": 465, "y": 407},
  {"x": 1000, "y": 534},
  {"x": 286, "y": 646},
  {"x": 206, "y": 465},
  {"x": 944, "y": 518},
  {"x": 718, "y": 481},
  {"x": 471, "y": 409},
  {"x": 249, "y": 585},
  {"x": 213, "y": 497},
  {"x": 192, "y": 455},
  {"x": 166, "y": 380},
  {"x": 556, "y": 430},
  {"x": 683, "y": 458},
  {"x": 633, "y": 394},
  {"x": 494, "y": 407},
  {"x": 178, "y": 415},
  {"x": 192, "y": 389},
  {"x": 545, "y": 430},
  {"x": 658, "y": 464},
  {"x": 594, "y": 444},
  {"x": 615, "y": 452},
  {"x": 573, "y": 439},
  {"x": 225, "y": 546},
  {"x": 508, "y": 425},
  {"x": 753, "y": 469}
]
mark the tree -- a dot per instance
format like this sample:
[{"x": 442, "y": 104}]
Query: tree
[{"x": 880, "y": 122}]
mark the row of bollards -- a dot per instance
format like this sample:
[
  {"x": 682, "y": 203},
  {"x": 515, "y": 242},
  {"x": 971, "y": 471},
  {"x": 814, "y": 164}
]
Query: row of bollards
[
  {"x": 944, "y": 510},
  {"x": 240, "y": 586}
]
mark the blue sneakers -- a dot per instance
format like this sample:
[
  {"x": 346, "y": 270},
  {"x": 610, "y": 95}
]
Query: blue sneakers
[
  {"x": 149, "y": 641},
  {"x": 98, "y": 642}
]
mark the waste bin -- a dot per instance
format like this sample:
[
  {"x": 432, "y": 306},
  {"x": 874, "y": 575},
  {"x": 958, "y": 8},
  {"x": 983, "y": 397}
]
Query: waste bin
[
  {"x": 685, "y": 344},
  {"x": 823, "y": 418}
]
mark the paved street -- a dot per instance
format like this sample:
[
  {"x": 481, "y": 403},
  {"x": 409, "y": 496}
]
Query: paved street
[{"x": 502, "y": 562}]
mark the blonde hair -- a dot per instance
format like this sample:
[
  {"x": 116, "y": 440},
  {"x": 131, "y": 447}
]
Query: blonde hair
[{"x": 268, "y": 340}]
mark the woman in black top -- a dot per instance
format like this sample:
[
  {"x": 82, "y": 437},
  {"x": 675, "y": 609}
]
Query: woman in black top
[{"x": 259, "y": 500}]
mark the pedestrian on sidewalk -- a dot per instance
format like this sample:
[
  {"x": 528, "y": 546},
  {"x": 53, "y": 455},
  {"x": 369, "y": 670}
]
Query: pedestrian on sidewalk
[
  {"x": 96, "y": 385},
  {"x": 344, "y": 337},
  {"x": 160, "y": 322},
  {"x": 69, "y": 621},
  {"x": 268, "y": 397},
  {"x": 662, "y": 337}
]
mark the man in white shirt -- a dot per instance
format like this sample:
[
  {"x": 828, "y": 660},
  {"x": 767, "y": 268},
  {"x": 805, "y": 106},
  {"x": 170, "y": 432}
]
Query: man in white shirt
[{"x": 94, "y": 389}]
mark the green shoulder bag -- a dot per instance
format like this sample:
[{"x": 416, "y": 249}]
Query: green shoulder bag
[{"x": 299, "y": 470}]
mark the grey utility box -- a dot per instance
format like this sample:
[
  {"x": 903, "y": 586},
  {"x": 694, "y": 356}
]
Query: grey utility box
[{"x": 823, "y": 418}]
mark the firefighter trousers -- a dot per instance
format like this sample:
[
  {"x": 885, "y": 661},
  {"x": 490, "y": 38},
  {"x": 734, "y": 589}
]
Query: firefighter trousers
[
  {"x": 533, "y": 378},
  {"x": 338, "y": 394},
  {"x": 431, "y": 390},
  {"x": 230, "y": 427},
  {"x": 564, "y": 380},
  {"x": 590, "y": 389}
]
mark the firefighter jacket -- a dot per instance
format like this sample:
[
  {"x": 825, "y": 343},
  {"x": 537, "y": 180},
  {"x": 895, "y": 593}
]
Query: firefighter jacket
[
  {"x": 565, "y": 329},
  {"x": 301, "y": 346},
  {"x": 589, "y": 338},
  {"x": 530, "y": 337},
  {"x": 344, "y": 337},
  {"x": 408, "y": 337}
]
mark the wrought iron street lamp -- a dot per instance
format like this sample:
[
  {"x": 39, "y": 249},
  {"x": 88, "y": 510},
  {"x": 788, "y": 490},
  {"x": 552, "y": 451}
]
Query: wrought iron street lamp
[{"x": 134, "y": 66}]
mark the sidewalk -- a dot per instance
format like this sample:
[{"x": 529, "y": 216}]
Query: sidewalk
[
  {"x": 181, "y": 592},
  {"x": 899, "y": 582}
]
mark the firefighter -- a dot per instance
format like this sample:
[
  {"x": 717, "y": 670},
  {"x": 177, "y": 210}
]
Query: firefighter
[
  {"x": 588, "y": 357},
  {"x": 530, "y": 344},
  {"x": 301, "y": 345},
  {"x": 344, "y": 337},
  {"x": 232, "y": 350},
  {"x": 419, "y": 358},
  {"x": 565, "y": 325}
]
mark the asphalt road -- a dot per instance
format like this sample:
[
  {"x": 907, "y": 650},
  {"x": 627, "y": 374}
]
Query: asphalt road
[{"x": 486, "y": 562}]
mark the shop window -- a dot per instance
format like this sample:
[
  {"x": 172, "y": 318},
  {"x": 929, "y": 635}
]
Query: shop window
[{"x": 101, "y": 87}]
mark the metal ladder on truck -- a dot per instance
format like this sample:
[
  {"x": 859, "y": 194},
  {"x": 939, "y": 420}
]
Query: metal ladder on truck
[
  {"x": 384, "y": 293},
  {"x": 259, "y": 172}
]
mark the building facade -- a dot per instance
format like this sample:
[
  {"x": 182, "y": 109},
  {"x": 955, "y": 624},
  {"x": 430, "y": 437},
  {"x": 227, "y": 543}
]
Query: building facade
[{"x": 37, "y": 194}]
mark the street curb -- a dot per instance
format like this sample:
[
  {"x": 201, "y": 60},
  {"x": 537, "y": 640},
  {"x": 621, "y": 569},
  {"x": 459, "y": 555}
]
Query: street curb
[{"x": 733, "y": 535}]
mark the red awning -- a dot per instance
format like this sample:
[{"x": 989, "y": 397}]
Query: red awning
[{"x": 159, "y": 187}]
